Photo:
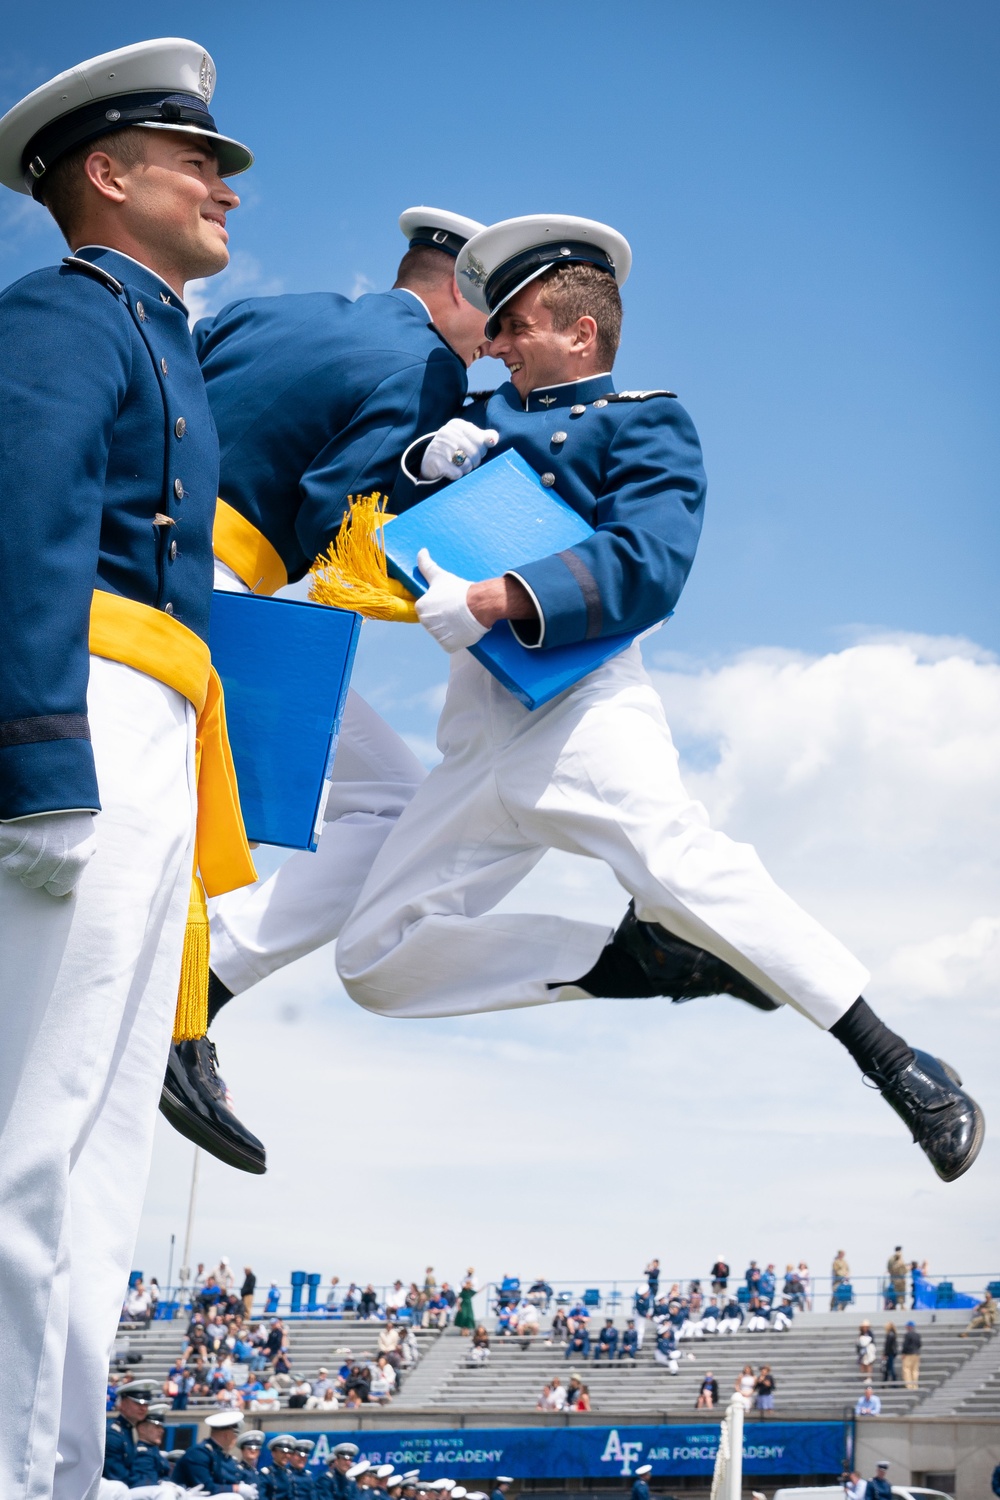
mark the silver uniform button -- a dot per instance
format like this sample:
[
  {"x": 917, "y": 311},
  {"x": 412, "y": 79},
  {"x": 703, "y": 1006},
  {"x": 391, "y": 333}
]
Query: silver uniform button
[
  {"x": 548, "y": 480},
  {"x": 559, "y": 437},
  {"x": 163, "y": 366},
  {"x": 601, "y": 402},
  {"x": 180, "y": 427},
  {"x": 172, "y": 552},
  {"x": 141, "y": 311},
  {"x": 179, "y": 489},
  {"x": 168, "y": 608},
  {"x": 577, "y": 411}
]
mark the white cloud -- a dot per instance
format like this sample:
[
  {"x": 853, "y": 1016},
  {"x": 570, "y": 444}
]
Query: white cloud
[
  {"x": 243, "y": 277},
  {"x": 579, "y": 1139},
  {"x": 360, "y": 285}
]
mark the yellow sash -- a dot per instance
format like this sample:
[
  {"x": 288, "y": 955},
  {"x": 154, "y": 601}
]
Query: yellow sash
[
  {"x": 160, "y": 646},
  {"x": 237, "y": 542}
]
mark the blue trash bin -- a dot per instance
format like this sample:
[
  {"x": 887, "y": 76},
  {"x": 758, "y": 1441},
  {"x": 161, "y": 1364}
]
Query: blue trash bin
[
  {"x": 298, "y": 1282},
  {"x": 313, "y": 1280}
]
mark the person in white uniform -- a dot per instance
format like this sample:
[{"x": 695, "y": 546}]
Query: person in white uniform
[
  {"x": 108, "y": 467},
  {"x": 594, "y": 771}
]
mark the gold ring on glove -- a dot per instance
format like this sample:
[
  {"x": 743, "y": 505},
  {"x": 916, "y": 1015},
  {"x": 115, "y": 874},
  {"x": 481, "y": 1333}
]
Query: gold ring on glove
[{"x": 458, "y": 458}]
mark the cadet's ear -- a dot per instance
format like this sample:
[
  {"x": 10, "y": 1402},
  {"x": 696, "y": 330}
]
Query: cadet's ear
[
  {"x": 584, "y": 332},
  {"x": 104, "y": 174}
]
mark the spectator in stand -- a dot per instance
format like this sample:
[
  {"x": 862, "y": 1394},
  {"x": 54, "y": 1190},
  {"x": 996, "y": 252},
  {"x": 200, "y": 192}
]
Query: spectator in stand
[
  {"x": 480, "y": 1351},
  {"x": 437, "y": 1310},
  {"x": 867, "y": 1404},
  {"x": 368, "y": 1304},
  {"x": 582, "y": 1402},
  {"x": 273, "y": 1299},
  {"x": 268, "y": 1398},
  {"x": 732, "y": 1318},
  {"x": 895, "y": 1292},
  {"x": 720, "y": 1276},
  {"x": 388, "y": 1343},
  {"x": 247, "y": 1290},
  {"x": 840, "y": 1274},
  {"x": 890, "y": 1348},
  {"x": 879, "y": 1488},
  {"x": 223, "y": 1273},
  {"x": 540, "y": 1293},
  {"x": 228, "y": 1398},
  {"x": 865, "y": 1350},
  {"x": 351, "y": 1296},
  {"x": 768, "y": 1283},
  {"x": 527, "y": 1322},
  {"x": 559, "y": 1331},
  {"x": 793, "y": 1288},
  {"x": 665, "y": 1352},
  {"x": 763, "y": 1390},
  {"x": 545, "y": 1401},
  {"x": 752, "y": 1278},
  {"x": 573, "y": 1390},
  {"x": 395, "y": 1299},
  {"x": 178, "y": 1386},
  {"x": 448, "y": 1293},
  {"x": 465, "y": 1318},
  {"x": 326, "y": 1400},
  {"x": 299, "y": 1394},
  {"x": 630, "y": 1341},
  {"x": 359, "y": 1381},
  {"x": 781, "y": 1318},
  {"x": 986, "y": 1315},
  {"x": 579, "y": 1343},
  {"x": 744, "y": 1386},
  {"x": 911, "y": 1357},
  {"x": 277, "y": 1340},
  {"x": 806, "y": 1281},
  {"x": 607, "y": 1341},
  {"x": 383, "y": 1383},
  {"x": 558, "y": 1394},
  {"x": 352, "y": 1400},
  {"x": 154, "y": 1297},
  {"x": 137, "y": 1304},
  {"x": 708, "y": 1393},
  {"x": 333, "y": 1296},
  {"x": 652, "y": 1275},
  {"x": 430, "y": 1284}
]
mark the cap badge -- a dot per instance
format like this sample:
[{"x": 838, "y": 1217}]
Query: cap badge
[
  {"x": 206, "y": 78},
  {"x": 547, "y": 400},
  {"x": 475, "y": 270}
]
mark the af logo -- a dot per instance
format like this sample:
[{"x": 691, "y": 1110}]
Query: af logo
[
  {"x": 475, "y": 270},
  {"x": 617, "y": 1452}
]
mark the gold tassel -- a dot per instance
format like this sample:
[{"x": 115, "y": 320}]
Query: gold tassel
[
  {"x": 352, "y": 573},
  {"x": 191, "y": 1017}
]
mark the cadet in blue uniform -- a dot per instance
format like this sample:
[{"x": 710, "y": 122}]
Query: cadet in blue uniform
[
  {"x": 108, "y": 466},
  {"x": 315, "y": 398},
  {"x": 150, "y": 1464},
  {"x": 501, "y": 1485},
  {"x": 607, "y": 1341},
  {"x": 212, "y": 1463},
  {"x": 279, "y": 1484},
  {"x": 640, "y": 1485},
  {"x": 247, "y": 1454},
  {"x": 335, "y": 1484},
  {"x": 593, "y": 771},
  {"x": 302, "y": 1483},
  {"x": 630, "y": 1341},
  {"x": 119, "y": 1440}
]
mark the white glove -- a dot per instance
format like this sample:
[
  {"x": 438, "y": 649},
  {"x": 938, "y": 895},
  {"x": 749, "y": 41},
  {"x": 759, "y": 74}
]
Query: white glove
[
  {"x": 48, "y": 850},
  {"x": 248, "y": 1491},
  {"x": 456, "y": 449},
  {"x": 444, "y": 609}
]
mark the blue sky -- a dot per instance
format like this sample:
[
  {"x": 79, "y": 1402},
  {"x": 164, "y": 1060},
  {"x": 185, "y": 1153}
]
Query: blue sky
[{"x": 810, "y": 191}]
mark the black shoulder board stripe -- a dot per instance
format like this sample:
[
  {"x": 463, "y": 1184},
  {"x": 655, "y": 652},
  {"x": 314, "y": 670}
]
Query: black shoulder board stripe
[
  {"x": 638, "y": 395},
  {"x": 76, "y": 263},
  {"x": 480, "y": 395}
]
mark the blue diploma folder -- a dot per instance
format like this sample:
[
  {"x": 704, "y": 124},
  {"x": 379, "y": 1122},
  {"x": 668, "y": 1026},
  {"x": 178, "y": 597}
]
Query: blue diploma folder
[
  {"x": 481, "y": 526},
  {"x": 285, "y": 668}
]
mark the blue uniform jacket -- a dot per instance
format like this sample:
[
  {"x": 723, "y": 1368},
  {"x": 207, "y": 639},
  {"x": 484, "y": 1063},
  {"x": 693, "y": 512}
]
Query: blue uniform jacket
[
  {"x": 119, "y": 1450},
  {"x": 207, "y": 1464},
  {"x": 149, "y": 1465},
  {"x": 108, "y": 477},
  {"x": 315, "y": 398},
  {"x": 632, "y": 468},
  {"x": 640, "y": 1490},
  {"x": 301, "y": 1484}
]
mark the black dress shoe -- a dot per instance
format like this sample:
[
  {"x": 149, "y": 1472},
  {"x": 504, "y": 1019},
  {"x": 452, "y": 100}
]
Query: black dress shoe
[
  {"x": 945, "y": 1122},
  {"x": 643, "y": 960},
  {"x": 197, "y": 1103}
]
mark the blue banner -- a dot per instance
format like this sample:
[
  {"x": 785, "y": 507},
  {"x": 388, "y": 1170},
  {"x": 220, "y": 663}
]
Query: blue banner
[{"x": 467, "y": 1453}]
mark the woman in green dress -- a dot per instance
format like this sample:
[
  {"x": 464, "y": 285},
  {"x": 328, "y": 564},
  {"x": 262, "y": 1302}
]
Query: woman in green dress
[{"x": 465, "y": 1318}]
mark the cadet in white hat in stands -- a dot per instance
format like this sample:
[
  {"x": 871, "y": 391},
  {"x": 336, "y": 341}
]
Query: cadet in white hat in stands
[
  {"x": 109, "y": 469},
  {"x": 594, "y": 771}
]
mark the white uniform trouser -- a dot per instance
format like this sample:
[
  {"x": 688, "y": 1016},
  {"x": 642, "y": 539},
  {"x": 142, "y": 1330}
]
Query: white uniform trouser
[
  {"x": 594, "y": 772},
  {"x": 89, "y": 987},
  {"x": 263, "y": 927}
]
